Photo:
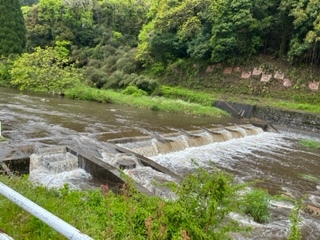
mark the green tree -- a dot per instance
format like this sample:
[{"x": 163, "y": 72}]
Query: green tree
[
  {"x": 45, "y": 69},
  {"x": 12, "y": 28},
  {"x": 235, "y": 33},
  {"x": 304, "y": 45},
  {"x": 177, "y": 29},
  {"x": 28, "y": 2}
]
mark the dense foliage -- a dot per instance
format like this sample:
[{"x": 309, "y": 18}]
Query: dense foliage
[
  {"x": 201, "y": 210},
  {"x": 221, "y": 30},
  {"x": 141, "y": 42},
  {"x": 45, "y": 70},
  {"x": 12, "y": 28}
]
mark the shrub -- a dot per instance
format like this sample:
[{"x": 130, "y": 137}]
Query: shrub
[
  {"x": 256, "y": 204},
  {"x": 114, "y": 80},
  {"x": 146, "y": 84},
  {"x": 133, "y": 90},
  {"x": 5, "y": 67},
  {"x": 97, "y": 77},
  {"x": 126, "y": 65}
]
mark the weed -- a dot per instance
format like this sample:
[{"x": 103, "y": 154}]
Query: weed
[
  {"x": 256, "y": 204},
  {"x": 154, "y": 108},
  {"x": 201, "y": 210},
  {"x": 309, "y": 143},
  {"x": 295, "y": 233}
]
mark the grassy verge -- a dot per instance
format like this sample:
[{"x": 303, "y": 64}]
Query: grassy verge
[
  {"x": 176, "y": 99},
  {"x": 158, "y": 103},
  {"x": 204, "y": 201}
]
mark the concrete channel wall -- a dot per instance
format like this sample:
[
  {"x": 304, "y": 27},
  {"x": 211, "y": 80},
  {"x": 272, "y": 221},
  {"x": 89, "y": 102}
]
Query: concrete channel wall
[
  {"x": 282, "y": 118},
  {"x": 289, "y": 119}
]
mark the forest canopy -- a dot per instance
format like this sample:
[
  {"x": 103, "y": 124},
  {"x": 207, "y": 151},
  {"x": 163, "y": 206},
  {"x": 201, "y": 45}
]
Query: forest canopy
[
  {"x": 112, "y": 39},
  {"x": 166, "y": 30}
]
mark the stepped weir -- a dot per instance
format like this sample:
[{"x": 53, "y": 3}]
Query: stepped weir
[
  {"x": 129, "y": 155},
  {"x": 177, "y": 141}
]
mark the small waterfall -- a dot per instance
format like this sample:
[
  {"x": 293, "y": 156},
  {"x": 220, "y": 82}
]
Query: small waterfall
[
  {"x": 152, "y": 180},
  {"x": 170, "y": 146},
  {"x": 59, "y": 162},
  {"x": 53, "y": 167},
  {"x": 149, "y": 178},
  {"x": 252, "y": 130},
  {"x": 178, "y": 141}
]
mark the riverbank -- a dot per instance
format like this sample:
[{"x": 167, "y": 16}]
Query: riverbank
[
  {"x": 177, "y": 99},
  {"x": 185, "y": 101}
]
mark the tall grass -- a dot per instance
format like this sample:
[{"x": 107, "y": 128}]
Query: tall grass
[
  {"x": 309, "y": 143},
  {"x": 256, "y": 204},
  {"x": 150, "y": 102},
  {"x": 187, "y": 95},
  {"x": 201, "y": 210}
]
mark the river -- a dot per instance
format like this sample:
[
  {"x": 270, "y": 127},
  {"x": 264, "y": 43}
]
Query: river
[{"x": 277, "y": 160}]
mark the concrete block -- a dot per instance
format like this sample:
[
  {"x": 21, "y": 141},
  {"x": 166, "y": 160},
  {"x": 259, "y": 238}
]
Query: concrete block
[
  {"x": 278, "y": 75},
  {"x": 227, "y": 70},
  {"x": 287, "y": 82},
  {"x": 256, "y": 72},
  {"x": 210, "y": 69},
  {"x": 314, "y": 86},
  {"x": 237, "y": 69},
  {"x": 246, "y": 75},
  {"x": 266, "y": 77}
]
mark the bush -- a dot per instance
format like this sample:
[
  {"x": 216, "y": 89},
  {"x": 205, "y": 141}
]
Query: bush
[
  {"x": 146, "y": 84},
  {"x": 256, "y": 204},
  {"x": 204, "y": 201},
  {"x": 97, "y": 77},
  {"x": 133, "y": 90},
  {"x": 5, "y": 67},
  {"x": 114, "y": 80}
]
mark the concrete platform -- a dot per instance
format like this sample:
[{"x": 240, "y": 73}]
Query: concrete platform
[{"x": 15, "y": 158}]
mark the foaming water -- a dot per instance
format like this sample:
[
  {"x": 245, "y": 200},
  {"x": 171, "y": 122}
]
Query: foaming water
[
  {"x": 276, "y": 160},
  {"x": 152, "y": 180},
  {"x": 76, "y": 178},
  {"x": 178, "y": 141},
  {"x": 53, "y": 170}
]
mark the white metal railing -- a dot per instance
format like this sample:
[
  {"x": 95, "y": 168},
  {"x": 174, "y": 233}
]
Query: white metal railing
[
  {"x": 4, "y": 236},
  {"x": 45, "y": 216}
]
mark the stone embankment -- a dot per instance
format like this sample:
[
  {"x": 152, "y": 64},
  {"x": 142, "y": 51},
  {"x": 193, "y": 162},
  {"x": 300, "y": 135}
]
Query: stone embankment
[
  {"x": 283, "y": 118},
  {"x": 289, "y": 119}
]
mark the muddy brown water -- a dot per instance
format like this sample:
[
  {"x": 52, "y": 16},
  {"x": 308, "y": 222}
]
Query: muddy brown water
[{"x": 277, "y": 160}]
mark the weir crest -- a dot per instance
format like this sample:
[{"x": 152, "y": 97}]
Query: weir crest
[{"x": 180, "y": 140}]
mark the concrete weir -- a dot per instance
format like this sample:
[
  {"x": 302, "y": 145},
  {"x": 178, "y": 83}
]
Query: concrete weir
[
  {"x": 180, "y": 140},
  {"x": 14, "y": 161},
  {"x": 118, "y": 156}
]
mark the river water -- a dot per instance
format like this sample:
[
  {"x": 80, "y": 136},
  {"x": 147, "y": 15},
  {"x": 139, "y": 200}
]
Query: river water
[{"x": 277, "y": 160}]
